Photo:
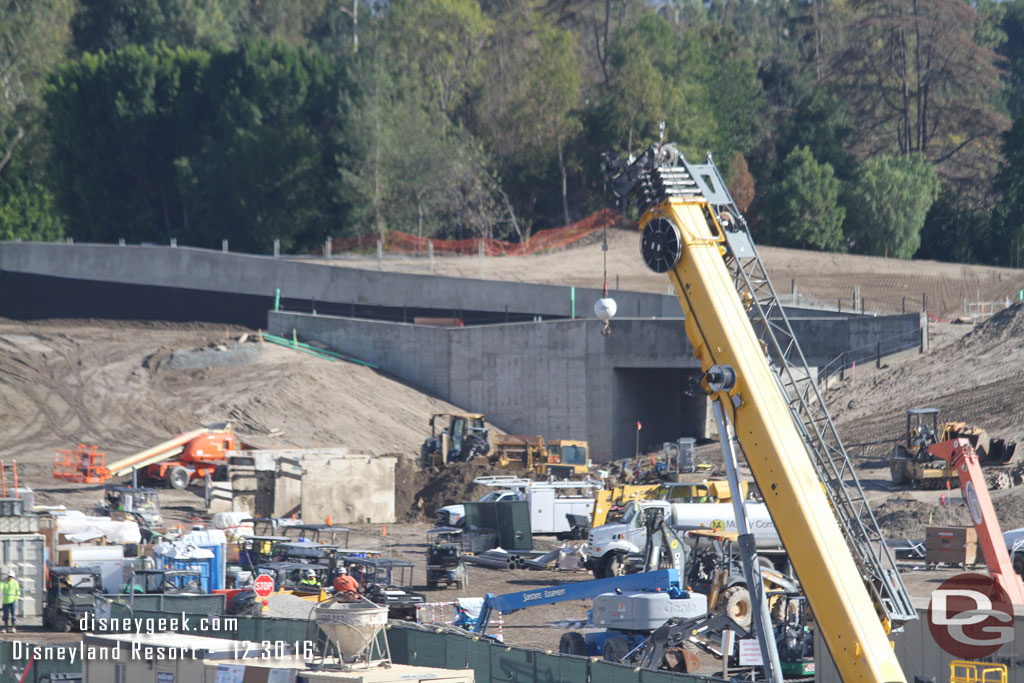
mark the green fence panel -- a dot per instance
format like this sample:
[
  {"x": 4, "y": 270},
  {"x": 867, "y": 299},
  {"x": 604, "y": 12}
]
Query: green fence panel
[
  {"x": 607, "y": 672},
  {"x": 478, "y": 654},
  {"x": 398, "y": 641},
  {"x": 648, "y": 676},
  {"x": 427, "y": 649},
  {"x": 512, "y": 664},
  {"x": 464, "y": 652},
  {"x": 551, "y": 668}
]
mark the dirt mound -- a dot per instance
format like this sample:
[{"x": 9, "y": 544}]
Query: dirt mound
[
  {"x": 910, "y": 518},
  {"x": 409, "y": 480},
  {"x": 126, "y": 386},
  {"x": 1003, "y": 332},
  {"x": 450, "y": 485},
  {"x": 904, "y": 518}
]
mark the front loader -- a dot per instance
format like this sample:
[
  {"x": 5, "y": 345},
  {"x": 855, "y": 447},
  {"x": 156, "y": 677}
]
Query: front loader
[{"x": 912, "y": 463}]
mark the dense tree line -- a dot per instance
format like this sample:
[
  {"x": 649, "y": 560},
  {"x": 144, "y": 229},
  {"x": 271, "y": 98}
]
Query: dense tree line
[{"x": 889, "y": 127}]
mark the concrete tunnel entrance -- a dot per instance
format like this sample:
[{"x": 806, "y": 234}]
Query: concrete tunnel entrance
[{"x": 659, "y": 399}]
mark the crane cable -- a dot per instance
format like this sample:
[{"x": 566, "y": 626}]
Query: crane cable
[{"x": 607, "y": 328}]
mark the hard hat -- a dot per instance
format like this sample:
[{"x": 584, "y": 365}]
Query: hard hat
[
  {"x": 343, "y": 570},
  {"x": 309, "y": 573},
  {"x": 10, "y": 572}
]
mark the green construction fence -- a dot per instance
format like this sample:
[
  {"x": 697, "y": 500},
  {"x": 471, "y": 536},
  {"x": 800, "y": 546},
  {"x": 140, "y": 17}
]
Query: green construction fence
[{"x": 491, "y": 662}]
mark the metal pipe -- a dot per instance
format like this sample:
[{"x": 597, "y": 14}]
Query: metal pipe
[{"x": 760, "y": 617}]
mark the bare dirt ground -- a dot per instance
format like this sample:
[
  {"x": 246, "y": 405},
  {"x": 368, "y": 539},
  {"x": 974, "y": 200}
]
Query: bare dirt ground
[{"x": 886, "y": 285}]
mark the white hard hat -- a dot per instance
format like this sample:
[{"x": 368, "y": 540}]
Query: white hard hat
[
  {"x": 10, "y": 572},
  {"x": 309, "y": 572},
  {"x": 343, "y": 570}
]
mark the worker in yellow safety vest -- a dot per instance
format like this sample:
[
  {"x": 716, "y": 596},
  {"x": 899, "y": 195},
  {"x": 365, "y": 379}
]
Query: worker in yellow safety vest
[
  {"x": 11, "y": 594},
  {"x": 309, "y": 579}
]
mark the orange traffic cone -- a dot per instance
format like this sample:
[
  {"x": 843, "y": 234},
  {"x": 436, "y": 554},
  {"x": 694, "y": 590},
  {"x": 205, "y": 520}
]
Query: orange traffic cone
[{"x": 328, "y": 520}]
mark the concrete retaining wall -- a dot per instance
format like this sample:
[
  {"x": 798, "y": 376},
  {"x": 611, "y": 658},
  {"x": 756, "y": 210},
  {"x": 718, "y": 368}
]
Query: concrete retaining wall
[
  {"x": 244, "y": 275},
  {"x": 562, "y": 378}
]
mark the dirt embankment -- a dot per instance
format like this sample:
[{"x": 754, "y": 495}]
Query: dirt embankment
[{"x": 886, "y": 285}]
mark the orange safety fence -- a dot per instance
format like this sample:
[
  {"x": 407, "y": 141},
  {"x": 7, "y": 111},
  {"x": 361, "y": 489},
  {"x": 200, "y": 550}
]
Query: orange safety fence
[{"x": 553, "y": 238}]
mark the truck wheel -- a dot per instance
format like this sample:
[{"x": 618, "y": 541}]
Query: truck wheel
[
  {"x": 615, "y": 648},
  {"x": 178, "y": 477},
  {"x": 1018, "y": 563},
  {"x": 572, "y": 643},
  {"x": 735, "y": 603},
  {"x": 612, "y": 566},
  {"x": 61, "y": 623}
]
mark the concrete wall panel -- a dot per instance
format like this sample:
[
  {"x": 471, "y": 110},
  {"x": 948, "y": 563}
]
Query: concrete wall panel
[{"x": 350, "y": 489}]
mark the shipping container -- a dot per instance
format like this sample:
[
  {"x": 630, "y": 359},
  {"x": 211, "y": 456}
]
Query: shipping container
[{"x": 24, "y": 554}]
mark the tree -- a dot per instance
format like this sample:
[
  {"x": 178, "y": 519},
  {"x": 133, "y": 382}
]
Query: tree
[
  {"x": 822, "y": 123},
  {"x": 740, "y": 182},
  {"x": 805, "y": 210},
  {"x": 27, "y": 210},
  {"x": 116, "y": 123},
  {"x": 441, "y": 42},
  {"x": 33, "y": 38},
  {"x": 917, "y": 81},
  {"x": 1012, "y": 50},
  {"x": 110, "y": 25},
  {"x": 1007, "y": 237},
  {"x": 176, "y": 143},
  {"x": 653, "y": 79},
  {"x": 955, "y": 231},
  {"x": 528, "y": 111},
  {"x": 887, "y": 204}
]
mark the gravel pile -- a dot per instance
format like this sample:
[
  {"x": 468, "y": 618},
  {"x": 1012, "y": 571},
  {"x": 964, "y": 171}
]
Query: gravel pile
[{"x": 288, "y": 606}]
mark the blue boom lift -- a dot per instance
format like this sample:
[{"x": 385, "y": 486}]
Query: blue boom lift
[{"x": 629, "y": 607}]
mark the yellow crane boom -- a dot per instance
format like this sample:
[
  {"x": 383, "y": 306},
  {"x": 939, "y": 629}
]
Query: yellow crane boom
[{"x": 682, "y": 236}]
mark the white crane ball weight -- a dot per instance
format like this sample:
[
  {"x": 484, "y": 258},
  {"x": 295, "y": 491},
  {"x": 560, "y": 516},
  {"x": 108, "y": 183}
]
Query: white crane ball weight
[{"x": 605, "y": 309}]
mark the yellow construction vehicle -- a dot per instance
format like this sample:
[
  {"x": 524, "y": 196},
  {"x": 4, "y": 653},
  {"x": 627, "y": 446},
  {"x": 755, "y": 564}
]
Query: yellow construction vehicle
[
  {"x": 562, "y": 458},
  {"x": 755, "y": 371},
  {"x": 463, "y": 439},
  {"x": 608, "y": 500},
  {"x": 912, "y": 464},
  {"x": 715, "y": 491}
]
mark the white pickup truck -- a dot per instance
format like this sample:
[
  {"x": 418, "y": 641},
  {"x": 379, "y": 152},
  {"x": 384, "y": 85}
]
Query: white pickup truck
[
  {"x": 452, "y": 515},
  {"x": 611, "y": 544},
  {"x": 548, "y": 510}
]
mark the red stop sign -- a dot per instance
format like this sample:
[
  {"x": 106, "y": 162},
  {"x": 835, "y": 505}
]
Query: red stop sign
[{"x": 263, "y": 585}]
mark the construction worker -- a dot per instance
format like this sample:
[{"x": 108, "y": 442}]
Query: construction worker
[
  {"x": 309, "y": 579},
  {"x": 345, "y": 583},
  {"x": 11, "y": 595}
]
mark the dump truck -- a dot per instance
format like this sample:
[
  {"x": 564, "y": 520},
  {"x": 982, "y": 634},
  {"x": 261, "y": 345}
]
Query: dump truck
[{"x": 912, "y": 464}]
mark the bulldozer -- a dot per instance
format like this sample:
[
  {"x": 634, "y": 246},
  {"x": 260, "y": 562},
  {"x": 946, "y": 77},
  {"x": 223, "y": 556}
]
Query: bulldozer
[
  {"x": 912, "y": 465},
  {"x": 463, "y": 439},
  {"x": 561, "y": 458}
]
